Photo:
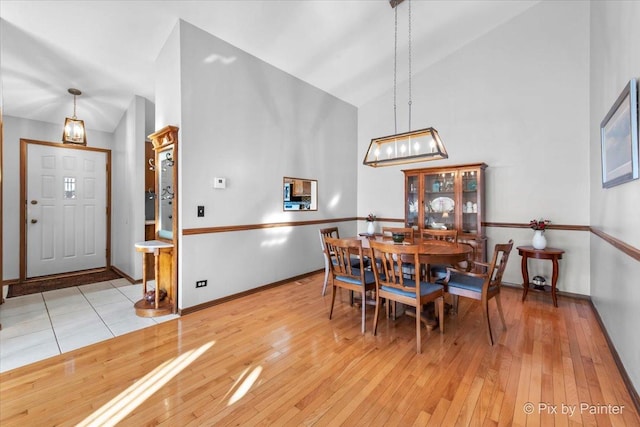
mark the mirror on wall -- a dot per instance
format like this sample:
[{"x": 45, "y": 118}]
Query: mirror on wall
[
  {"x": 166, "y": 191},
  {"x": 300, "y": 194}
]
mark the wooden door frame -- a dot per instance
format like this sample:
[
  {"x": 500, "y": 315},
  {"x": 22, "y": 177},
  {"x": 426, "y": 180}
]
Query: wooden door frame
[{"x": 23, "y": 201}]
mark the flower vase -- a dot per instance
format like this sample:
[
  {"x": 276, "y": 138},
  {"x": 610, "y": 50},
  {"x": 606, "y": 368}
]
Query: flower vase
[
  {"x": 539, "y": 241},
  {"x": 371, "y": 229}
]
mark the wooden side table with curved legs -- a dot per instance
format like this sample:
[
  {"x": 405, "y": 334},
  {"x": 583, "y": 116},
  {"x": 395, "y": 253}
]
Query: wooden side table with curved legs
[{"x": 552, "y": 254}]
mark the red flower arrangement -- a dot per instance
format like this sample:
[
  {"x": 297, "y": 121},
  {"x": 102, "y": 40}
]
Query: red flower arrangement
[
  {"x": 370, "y": 218},
  {"x": 539, "y": 224}
]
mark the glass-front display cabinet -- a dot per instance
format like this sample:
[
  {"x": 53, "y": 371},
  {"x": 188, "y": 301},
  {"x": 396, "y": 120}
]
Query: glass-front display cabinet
[{"x": 450, "y": 197}]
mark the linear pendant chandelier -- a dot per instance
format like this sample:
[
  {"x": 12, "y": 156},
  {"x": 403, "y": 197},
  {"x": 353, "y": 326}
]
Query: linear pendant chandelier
[{"x": 408, "y": 147}]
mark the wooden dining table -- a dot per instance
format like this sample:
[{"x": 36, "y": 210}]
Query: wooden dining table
[{"x": 432, "y": 252}]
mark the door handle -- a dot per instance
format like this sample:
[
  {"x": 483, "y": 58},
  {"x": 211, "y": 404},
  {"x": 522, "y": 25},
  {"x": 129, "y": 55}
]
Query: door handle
[
  {"x": 34, "y": 202},
  {"x": 33, "y": 221}
]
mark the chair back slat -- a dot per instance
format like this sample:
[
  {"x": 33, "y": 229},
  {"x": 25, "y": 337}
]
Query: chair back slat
[
  {"x": 499, "y": 263},
  {"x": 328, "y": 232},
  {"x": 445, "y": 236},
  {"x": 340, "y": 251},
  {"x": 389, "y": 262}
]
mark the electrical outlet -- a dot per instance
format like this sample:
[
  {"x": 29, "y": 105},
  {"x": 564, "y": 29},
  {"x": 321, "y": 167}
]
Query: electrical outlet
[
  {"x": 201, "y": 283},
  {"x": 200, "y": 210}
]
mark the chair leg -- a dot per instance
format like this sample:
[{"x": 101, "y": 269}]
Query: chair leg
[
  {"x": 364, "y": 305},
  {"x": 504, "y": 324},
  {"x": 333, "y": 299},
  {"x": 418, "y": 330},
  {"x": 326, "y": 275},
  {"x": 441, "y": 313},
  {"x": 454, "y": 304},
  {"x": 485, "y": 313},
  {"x": 377, "y": 313}
]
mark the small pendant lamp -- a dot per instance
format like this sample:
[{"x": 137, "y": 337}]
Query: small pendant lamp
[{"x": 74, "y": 132}]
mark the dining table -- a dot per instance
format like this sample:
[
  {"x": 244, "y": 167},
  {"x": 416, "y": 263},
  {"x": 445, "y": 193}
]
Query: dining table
[{"x": 432, "y": 252}]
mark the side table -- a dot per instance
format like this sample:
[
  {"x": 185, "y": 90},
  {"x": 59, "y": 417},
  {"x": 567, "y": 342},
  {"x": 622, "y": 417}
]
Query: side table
[
  {"x": 146, "y": 308},
  {"x": 552, "y": 254}
]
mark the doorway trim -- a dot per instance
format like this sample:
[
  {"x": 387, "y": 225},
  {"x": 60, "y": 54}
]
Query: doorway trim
[{"x": 23, "y": 203}]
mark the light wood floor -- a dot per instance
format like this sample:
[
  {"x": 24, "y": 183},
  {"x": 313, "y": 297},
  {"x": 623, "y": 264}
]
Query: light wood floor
[{"x": 274, "y": 358}]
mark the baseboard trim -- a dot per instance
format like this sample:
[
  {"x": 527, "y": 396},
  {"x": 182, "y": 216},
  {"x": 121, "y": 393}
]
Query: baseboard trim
[
  {"x": 623, "y": 372},
  {"x": 218, "y": 301},
  {"x": 125, "y": 276},
  {"x": 558, "y": 292}
]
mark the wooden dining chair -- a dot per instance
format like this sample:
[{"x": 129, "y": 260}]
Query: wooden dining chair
[
  {"x": 438, "y": 271},
  {"x": 407, "y": 231},
  {"x": 449, "y": 236},
  {"x": 408, "y": 237},
  {"x": 343, "y": 272},
  {"x": 327, "y": 232},
  {"x": 481, "y": 286},
  {"x": 392, "y": 285}
]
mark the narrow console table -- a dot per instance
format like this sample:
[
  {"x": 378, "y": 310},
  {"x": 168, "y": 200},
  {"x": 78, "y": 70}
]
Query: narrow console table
[
  {"x": 156, "y": 248},
  {"x": 552, "y": 254}
]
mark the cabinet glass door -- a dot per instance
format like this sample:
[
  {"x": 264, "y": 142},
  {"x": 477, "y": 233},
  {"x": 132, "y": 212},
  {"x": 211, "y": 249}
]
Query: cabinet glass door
[
  {"x": 469, "y": 202},
  {"x": 439, "y": 200},
  {"x": 413, "y": 202}
]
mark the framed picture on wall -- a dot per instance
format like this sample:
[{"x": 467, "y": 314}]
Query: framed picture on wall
[{"x": 619, "y": 138}]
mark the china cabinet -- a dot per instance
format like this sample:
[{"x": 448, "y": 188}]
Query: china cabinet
[{"x": 448, "y": 197}]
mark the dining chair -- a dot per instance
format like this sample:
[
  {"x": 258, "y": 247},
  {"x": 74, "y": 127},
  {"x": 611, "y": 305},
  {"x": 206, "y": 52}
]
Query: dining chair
[
  {"x": 450, "y": 236},
  {"x": 481, "y": 286},
  {"x": 408, "y": 237},
  {"x": 327, "y": 232},
  {"x": 438, "y": 271},
  {"x": 343, "y": 272},
  {"x": 392, "y": 285},
  {"x": 407, "y": 231}
]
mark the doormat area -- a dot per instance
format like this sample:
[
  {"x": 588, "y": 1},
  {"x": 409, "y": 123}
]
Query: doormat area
[{"x": 60, "y": 283}]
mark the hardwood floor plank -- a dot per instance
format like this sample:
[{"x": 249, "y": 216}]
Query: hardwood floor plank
[{"x": 276, "y": 359}]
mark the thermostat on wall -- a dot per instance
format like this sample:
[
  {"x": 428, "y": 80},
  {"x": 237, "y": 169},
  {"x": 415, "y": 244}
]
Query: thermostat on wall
[{"x": 219, "y": 183}]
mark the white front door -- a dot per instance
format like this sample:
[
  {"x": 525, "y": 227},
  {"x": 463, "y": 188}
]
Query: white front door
[{"x": 66, "y": 210}]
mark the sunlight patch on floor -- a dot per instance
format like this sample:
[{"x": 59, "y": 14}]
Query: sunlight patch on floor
[
  {"x": 122, "y": 405},
  {"x": 245, "y": 386}
]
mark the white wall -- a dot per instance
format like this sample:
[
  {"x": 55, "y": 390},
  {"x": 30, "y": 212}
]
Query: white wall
[
  {"x": 253, "y": 124},
  {"x": 615, "y": 283},
  {"x": 127, "y": 177},
  {"x": 517, "y": 99},
  {"x": 15, "y": 129}
]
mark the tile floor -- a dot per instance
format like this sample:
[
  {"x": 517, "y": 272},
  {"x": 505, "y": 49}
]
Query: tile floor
[{"x": 38, "y": 326}]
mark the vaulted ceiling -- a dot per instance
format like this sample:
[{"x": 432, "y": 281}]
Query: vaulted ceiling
[{"x": 107, "y": 49}]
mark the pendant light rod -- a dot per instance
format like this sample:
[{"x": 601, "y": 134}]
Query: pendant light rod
[
  {"x": 409, "y": 66},
  {"x": 74, "y": 92},
  {"x": 411, "y": 146}
]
